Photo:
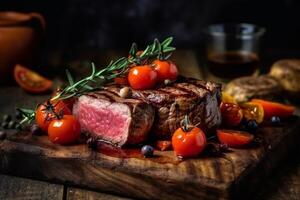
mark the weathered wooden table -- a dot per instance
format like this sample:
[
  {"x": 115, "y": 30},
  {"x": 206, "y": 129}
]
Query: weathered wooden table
[{"x": 284, "y": 183}]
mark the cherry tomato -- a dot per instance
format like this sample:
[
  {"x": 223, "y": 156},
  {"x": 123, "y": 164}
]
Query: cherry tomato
[
  {"x": 233, "y": 138},
  {"x": 165, "y": 70},
  {"x": 65, "y": 130},
  {"x": 142, "y": 77},
  {"x": 188, "y": 144},
  {"x": 69, "y": 102},
  {"x": 43, "y": 114},
  {"x": 232, "y": 114},
  {"x": 253, "y": 111},
  {"x": 227, "y": 98},
  {"x": 275, "y": 109},
  {"x": 30, "y": 80}
]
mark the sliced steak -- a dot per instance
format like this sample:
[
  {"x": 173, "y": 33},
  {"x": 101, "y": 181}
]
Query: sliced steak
[
  {"x": 105, "y": 115},
  {"x": 198, "y": 99}
]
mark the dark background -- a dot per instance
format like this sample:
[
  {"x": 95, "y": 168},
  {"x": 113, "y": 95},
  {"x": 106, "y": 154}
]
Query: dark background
[{"x": 78, "y": 25}]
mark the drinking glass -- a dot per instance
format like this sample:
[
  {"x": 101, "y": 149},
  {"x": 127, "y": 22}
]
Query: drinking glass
[{"x": 232, "y": 50}]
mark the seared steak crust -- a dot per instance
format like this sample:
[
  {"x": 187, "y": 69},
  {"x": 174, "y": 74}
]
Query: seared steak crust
[{"x": 198, "y": 99}]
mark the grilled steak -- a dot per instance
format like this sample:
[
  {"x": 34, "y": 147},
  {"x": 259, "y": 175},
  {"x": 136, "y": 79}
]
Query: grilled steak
[
  {"x": 109, "y": 117},
  {"x": 198, "y": 99}
]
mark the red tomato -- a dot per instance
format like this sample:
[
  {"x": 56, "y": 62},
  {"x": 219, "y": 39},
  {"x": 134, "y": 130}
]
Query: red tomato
[
  {"x": 232, "y": 114},
  {"x": 142, "y": 77},
  {"x": 65, "y": 130},
  {"x": 30, "y": 80},
  {"x": 233, "y": 138},
  {"x": 275, "y": 109},
  {"x": 69, "y": 102},
  {"x": 165, "y": 70},
  {"x": 44, "y": 115},
  {"x": 188, "y": 144}
]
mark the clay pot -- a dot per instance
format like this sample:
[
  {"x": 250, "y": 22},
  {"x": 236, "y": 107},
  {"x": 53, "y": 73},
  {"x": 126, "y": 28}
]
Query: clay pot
[{"x": 20, "y": 39}]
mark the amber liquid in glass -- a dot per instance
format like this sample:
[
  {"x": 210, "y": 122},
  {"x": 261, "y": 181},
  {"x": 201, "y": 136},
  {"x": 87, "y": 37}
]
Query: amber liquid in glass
[{"x": 233, "y": 64}]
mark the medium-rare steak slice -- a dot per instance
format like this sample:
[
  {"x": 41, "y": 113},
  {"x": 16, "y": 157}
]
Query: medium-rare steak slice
[
  {"x": 198, "y": 99},
  {"x": 105, "y": 115}
]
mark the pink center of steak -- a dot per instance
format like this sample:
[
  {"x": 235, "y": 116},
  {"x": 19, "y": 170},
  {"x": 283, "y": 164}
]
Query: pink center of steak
[{"x": 103, "y": 119}]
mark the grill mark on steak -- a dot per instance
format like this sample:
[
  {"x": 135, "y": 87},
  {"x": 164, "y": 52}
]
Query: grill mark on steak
[
  {"x": 97, "y": 95},
  {"x": 198, "y": 99}
]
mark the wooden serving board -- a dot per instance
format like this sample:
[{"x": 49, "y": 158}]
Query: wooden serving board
[{"x": 229, "y": 176}]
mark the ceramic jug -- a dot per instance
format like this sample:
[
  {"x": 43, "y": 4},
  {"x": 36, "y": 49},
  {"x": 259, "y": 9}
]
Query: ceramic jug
[{"x": 20, "y": 39}]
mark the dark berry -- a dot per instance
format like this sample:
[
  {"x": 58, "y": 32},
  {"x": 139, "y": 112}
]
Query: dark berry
[
  {"x": 275, "y": 120},
  {"x": 11, "y": 125},
  {"x": 251, "y": 126},
  {"x": 2, "y": 135},
  {"x": 6, "y": 118},
  {"x": 4, "y": 125},
  {"x": 147, "y": 151},
  {"x": 92, "y": 143},
  {"x": 35, "y": 129},
  {"x": 18, "y": 114}
]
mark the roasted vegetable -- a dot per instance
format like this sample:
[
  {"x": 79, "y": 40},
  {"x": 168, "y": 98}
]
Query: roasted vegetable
[
  {"x": 287, "y": 72},
  {"x": 245, "y": 88}
]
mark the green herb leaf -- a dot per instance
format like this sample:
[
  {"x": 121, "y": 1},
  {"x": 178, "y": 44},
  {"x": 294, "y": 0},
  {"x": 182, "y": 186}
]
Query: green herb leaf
[
  {"x": 115, "y": 68},
  {"x": 133, "y": 50},
  {"x": 70, "y": 78},
  {"x": 167, "y": 42}
]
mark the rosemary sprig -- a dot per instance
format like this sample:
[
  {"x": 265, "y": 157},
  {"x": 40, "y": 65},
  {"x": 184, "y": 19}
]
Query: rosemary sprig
[
  {"x": 115, "y": 68},
  {"x": 160, "y": 50},
  {"x": 28, "y": 115}
]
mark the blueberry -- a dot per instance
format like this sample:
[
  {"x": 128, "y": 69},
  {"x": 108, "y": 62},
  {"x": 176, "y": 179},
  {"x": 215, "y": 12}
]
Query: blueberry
[
  {"x": 275, "y": 120},
  {"x": 35, "y": 129},
  {"x": 2, "y": 135},
  {"x": 147, "y": 151},
  {"x": 251, "y": 125},
  {"x": 18, "y": 114},
  {"x": 6, "y": 118}
]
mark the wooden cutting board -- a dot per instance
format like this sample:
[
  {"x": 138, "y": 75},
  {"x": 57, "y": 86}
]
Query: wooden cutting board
[{"x": 235, "y": 174}]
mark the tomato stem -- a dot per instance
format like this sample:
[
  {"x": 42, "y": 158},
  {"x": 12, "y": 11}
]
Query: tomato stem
[
  {"x": 51, "y": 113},
  {"x": 186, "y": 124}
]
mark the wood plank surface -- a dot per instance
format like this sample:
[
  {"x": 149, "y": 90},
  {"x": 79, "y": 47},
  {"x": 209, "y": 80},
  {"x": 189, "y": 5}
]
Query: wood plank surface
[
  {"x": 162, "y": 176},
  {"x": 14, "y": 188},
  {"x": 80, "y": 194},
  {"x": 223, "y": 177}
]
